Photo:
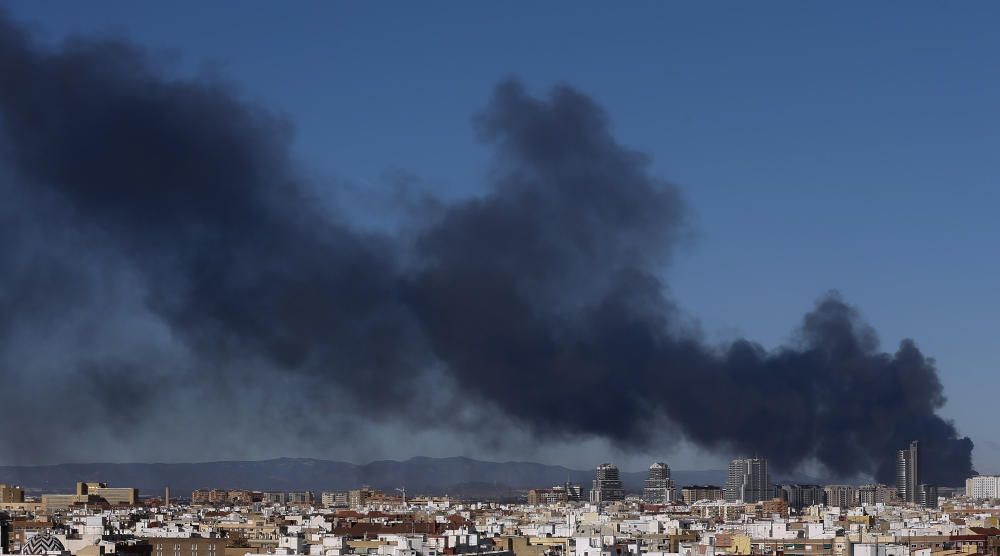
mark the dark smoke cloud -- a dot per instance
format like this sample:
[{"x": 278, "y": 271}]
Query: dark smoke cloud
[{"x": 161, "y": 241}]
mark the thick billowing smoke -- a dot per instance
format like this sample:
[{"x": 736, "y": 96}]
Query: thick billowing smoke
[{"x": 159, "y": 244}]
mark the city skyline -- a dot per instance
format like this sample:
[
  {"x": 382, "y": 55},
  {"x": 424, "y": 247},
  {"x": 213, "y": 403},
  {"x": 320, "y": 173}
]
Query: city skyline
[
  {"x": 746, "y": 479},
  {"x": 800, "y": 520},
  {"x": 747, "y": 483},
  {"x": 406, "y": 302}
]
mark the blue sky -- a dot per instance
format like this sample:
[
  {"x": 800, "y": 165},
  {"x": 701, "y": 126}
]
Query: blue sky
[{"x": 821, "y": 146}]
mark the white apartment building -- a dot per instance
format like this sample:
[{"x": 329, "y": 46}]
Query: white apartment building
[{"x": 983, "y": 486}]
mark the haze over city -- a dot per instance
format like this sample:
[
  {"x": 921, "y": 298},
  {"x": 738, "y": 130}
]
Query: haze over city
[
  {"x": 560, "y": 235},
  {"x": 325, "y": 278}
]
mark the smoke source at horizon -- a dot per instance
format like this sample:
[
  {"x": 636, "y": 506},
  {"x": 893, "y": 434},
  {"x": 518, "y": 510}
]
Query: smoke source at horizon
[{"x": 159, "y": 244}]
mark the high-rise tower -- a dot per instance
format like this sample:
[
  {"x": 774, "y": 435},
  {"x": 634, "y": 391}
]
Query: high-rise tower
[
  {"x": 908, "y": 473},
  {"x": 607, "y": 485},
  {"x": 748, "y": 480},
  {"x": 659, "y": 487}
]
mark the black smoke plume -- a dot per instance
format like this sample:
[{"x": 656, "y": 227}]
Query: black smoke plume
[{"x": 158, "y": 241}]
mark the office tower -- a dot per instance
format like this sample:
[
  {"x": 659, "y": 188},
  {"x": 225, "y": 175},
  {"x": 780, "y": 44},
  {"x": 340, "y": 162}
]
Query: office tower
[
  {"x": 659, "y": 487},
  {"x": 748, "y": 480},
  {"x": 908, "y": 473},
  {"x": 607, "y": 486}
]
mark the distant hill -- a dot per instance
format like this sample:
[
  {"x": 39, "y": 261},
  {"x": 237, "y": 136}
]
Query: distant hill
[{"x": 457, "y": 476}]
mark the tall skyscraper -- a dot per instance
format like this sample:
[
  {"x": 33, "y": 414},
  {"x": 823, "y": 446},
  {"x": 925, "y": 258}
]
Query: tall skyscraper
[
  {"x": 748, "y": 480},
  {"x": 607, "y": 485},
  {"x": 908, "y": 473},
  {"x": 659, "y": 487}
]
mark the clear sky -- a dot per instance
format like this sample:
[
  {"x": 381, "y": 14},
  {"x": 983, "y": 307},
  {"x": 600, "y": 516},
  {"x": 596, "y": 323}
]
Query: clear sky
[{"x": 847, "y": 145}]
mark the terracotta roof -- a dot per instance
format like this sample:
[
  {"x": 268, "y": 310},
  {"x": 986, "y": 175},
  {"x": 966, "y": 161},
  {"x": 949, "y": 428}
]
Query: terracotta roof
[{"x": 348, "y": 513}]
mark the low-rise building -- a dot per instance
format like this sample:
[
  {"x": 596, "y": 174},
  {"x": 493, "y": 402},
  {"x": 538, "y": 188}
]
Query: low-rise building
[{"x": 10, "y": 494}]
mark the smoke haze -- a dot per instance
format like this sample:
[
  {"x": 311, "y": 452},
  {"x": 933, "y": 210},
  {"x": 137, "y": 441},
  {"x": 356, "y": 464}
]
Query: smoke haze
[{"x": 162, "y": 255}]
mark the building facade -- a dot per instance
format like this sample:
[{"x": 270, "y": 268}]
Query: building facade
[
  {"x": 841, "y": 496},
  {"x": 10, "y": 494},
  {"x": 659, "y": 487},
  {"x": 116, "y": 496},
  {"x": 983, "y": 487},
  {"x": 801, "y": 496},
  {"x": 361, "y": 496},
  {"x": 694, "y": 493},
  {"x": 333, "y": 499},
  {"x": 748, "y": 480},
  {"x": 574, "y": 492},
  {"x": 187, "y": 546},
  {"x": 607, "y": 485},
  {"x": 300, "y": 498},
  {"x": 876, "y": 494},
  {"x": 545, "y": 496},
  {"x": 908, "y": 473},
  {"x": 272, "y": 498},
  {"x": 928, "y": 496}
]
